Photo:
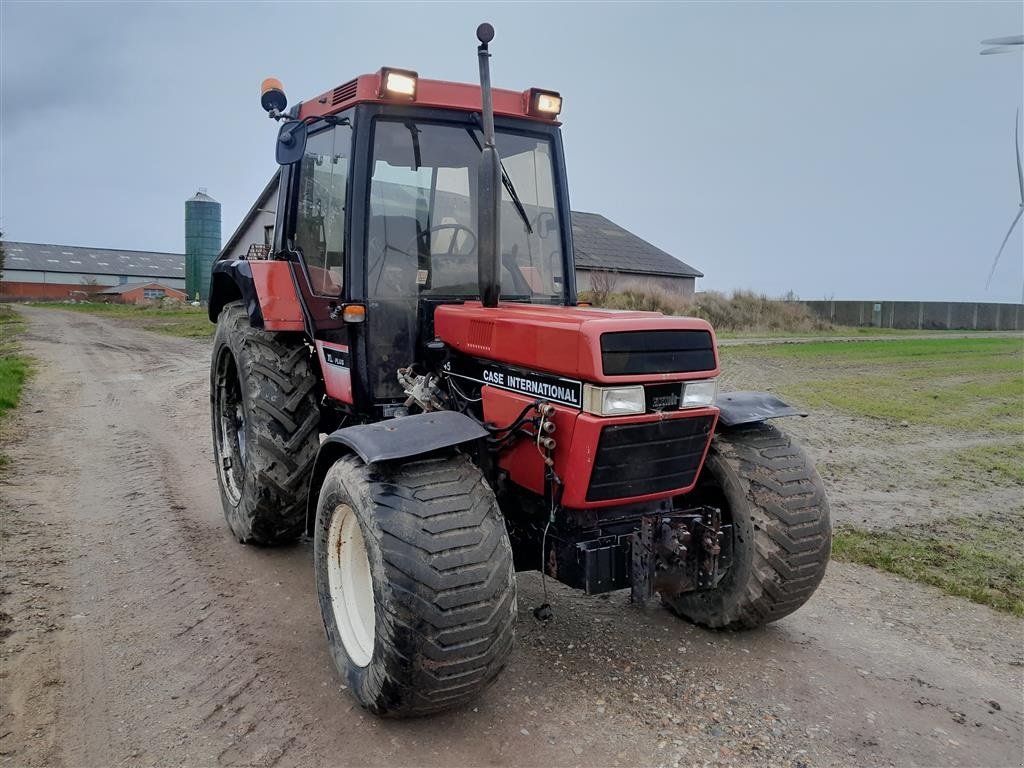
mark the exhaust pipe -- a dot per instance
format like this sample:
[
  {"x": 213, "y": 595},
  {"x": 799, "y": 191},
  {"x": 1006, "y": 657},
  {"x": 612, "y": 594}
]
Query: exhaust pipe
[{"x": 489, "y": 182}]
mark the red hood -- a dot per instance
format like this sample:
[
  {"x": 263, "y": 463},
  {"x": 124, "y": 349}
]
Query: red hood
[{"x": 562, "y": 340}]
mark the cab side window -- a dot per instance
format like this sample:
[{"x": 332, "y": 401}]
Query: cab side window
[{"x": 320, "y": 215}]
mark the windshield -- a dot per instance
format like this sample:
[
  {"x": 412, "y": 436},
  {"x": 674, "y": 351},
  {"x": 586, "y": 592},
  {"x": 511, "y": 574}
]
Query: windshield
[{"x": 422, "y": 237}]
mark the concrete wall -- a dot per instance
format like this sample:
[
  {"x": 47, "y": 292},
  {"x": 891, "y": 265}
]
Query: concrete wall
[
  {"x": 620, "y": 281},
  {"x": 924, "y": 315}
]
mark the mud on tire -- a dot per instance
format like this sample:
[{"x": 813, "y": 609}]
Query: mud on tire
[
  {"x": 769, "y": 490},
  {"x": 444, "y": 595},
  {"x": 263, "y": 401}
]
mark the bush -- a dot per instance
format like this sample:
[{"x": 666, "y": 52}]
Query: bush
[{"x": 742, "y": 311}]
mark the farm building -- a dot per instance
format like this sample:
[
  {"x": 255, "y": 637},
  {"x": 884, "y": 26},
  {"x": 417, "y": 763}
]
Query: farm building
[
  {"x": 605, "y": 252},
  {"x": 40, "y": 271},
  {"x": 139, "y": 293}
]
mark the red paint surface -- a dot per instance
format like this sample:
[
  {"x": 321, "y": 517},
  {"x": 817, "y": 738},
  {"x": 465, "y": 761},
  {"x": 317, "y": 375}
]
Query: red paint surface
[
  {"x": 562, "y": 340},
  {"x": 337, "y": 381},
  {"x": 276, "y": 291},
  {"x": 576, "y": 471},
  {"x": 48, "y": 290},
  {"x": 576, "y": 437},
  {"x": 429, "y": 93}
]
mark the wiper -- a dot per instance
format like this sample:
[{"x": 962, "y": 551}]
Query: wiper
[{"x": 506, "y": 182}]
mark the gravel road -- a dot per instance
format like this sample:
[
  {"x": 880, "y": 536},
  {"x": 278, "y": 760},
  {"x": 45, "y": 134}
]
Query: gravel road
[{"x": 136, "y": 631}]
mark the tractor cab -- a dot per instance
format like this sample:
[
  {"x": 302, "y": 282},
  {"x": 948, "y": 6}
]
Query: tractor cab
[{"x": 379, "y": 211}]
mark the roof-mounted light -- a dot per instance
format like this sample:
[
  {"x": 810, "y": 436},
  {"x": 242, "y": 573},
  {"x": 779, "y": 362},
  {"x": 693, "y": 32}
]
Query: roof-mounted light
[
  {"x": 272, "y": 96},
  {"x": 397, "y": 83},
  {"x": 543, "y": 103}
]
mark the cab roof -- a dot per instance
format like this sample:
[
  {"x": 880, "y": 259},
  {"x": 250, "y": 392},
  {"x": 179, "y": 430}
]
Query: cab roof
[{"x": 429, "y": 93}]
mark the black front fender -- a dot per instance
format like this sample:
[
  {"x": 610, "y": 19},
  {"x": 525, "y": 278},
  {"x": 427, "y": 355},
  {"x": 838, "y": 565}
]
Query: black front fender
[
  {"x": 390, "y": 440},
  {"x": 738, "y": 408}
]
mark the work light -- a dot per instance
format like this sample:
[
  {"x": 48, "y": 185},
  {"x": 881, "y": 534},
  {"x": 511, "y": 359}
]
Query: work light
[
  {"x": 699, "y": 394},
  {"x": 398, "y": 83},
  {"x": 544, "y": 103},
  {"x": 613, "y": 401}
]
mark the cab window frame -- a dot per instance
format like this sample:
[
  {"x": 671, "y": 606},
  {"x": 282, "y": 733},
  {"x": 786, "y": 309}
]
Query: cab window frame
[{"x": 294, "y": 192}]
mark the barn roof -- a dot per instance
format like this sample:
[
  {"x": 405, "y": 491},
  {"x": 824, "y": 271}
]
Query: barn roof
[
  {"x": 100, "y": 261},
  {"x": 603, "y": 245}
]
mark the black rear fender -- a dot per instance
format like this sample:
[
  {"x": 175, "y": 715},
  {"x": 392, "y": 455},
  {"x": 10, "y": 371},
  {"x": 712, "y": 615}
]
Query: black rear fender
[{"x": 232, "y": 281}]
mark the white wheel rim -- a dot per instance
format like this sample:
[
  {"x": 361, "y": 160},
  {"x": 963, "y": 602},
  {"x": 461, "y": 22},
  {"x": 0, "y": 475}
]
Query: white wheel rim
[{"x": 350, "y": 584}]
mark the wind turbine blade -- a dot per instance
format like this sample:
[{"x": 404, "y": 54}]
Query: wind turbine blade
[
  {"x": 1012, "y": 40},
  {"x": 1016, "y": 146},
  {"x": 1000, "y": 49},
  {"x": 1008, "y": 233}
]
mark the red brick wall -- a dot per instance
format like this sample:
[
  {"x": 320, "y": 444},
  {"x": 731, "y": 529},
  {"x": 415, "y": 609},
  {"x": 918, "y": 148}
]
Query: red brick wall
[
  {"x": 138, "y": 295},
  {"x": 46, "y": 290}
]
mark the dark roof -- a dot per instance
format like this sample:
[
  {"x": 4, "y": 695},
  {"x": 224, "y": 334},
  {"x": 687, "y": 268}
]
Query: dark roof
[
  {"x": 603, "y": 245},
  {"x": 98, "y": 261},
  {"x": 597, "y": 244},
  {"x": 125, "y": 287},
  {"x": 201, "y": 197}
]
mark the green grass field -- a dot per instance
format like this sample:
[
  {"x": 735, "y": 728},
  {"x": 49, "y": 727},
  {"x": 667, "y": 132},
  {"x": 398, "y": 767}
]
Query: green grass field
[
  {"x": 15, "y": 367},
  {"x": 977, "y": 558},
  {"x": 972, "y": 384},
  {"x": 189, "y": 322}
]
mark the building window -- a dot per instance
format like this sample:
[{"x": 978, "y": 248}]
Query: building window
[
  {"x": 122, "y": 279},
  {"x": 153, "y": 293}
]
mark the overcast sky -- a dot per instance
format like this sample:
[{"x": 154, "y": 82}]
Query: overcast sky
[{"x": 852, "y": 150}]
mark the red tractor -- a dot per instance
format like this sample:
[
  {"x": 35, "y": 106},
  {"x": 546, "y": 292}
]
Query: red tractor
[{"x": 406, "y": 375}]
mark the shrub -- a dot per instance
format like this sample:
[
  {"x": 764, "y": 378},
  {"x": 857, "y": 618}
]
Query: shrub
[{"x": 742, "y": 311}]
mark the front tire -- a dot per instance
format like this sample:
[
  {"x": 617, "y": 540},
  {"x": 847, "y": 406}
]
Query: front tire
[
  {"x": 415, "y": 582},
  {"x": 768, "y": 489},
  {"x": 263, "y": 403}
]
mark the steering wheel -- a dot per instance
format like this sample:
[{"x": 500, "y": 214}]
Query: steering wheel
[{"x": 456, "y": 228}]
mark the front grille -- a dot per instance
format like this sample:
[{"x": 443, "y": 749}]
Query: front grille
[
  {"x": 632, "y": 352},
  {"x": 656, "y": 456}
]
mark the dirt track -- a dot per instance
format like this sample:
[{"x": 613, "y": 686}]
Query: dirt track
[{"x": 137, "y": 631}]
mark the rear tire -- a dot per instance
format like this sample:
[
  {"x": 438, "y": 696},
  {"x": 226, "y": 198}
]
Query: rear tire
[
  {"x": 263, "y": 403},
  {"x": 436, "y": 624},
  {"x": 769, "y": 490}
]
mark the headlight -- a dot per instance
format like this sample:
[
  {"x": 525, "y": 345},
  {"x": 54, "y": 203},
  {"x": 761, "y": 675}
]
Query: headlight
[
  {"x": 613, "y": 401},
  {"x": 699, "y": 394}
]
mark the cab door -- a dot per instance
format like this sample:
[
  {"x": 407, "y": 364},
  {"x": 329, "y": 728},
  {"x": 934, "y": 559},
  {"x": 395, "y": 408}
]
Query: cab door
[{"x": 315, "y": 239}]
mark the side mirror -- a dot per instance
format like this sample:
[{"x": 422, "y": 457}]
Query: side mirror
[{"x": 291, "y": 142}]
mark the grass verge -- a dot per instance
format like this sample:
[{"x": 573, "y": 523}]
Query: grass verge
[
  {"x": 15, "y": 367},
  {"x": 976, "y": 558},
  {"x": 185, "y": 321},
  {"x": 974, "y": 384}
]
